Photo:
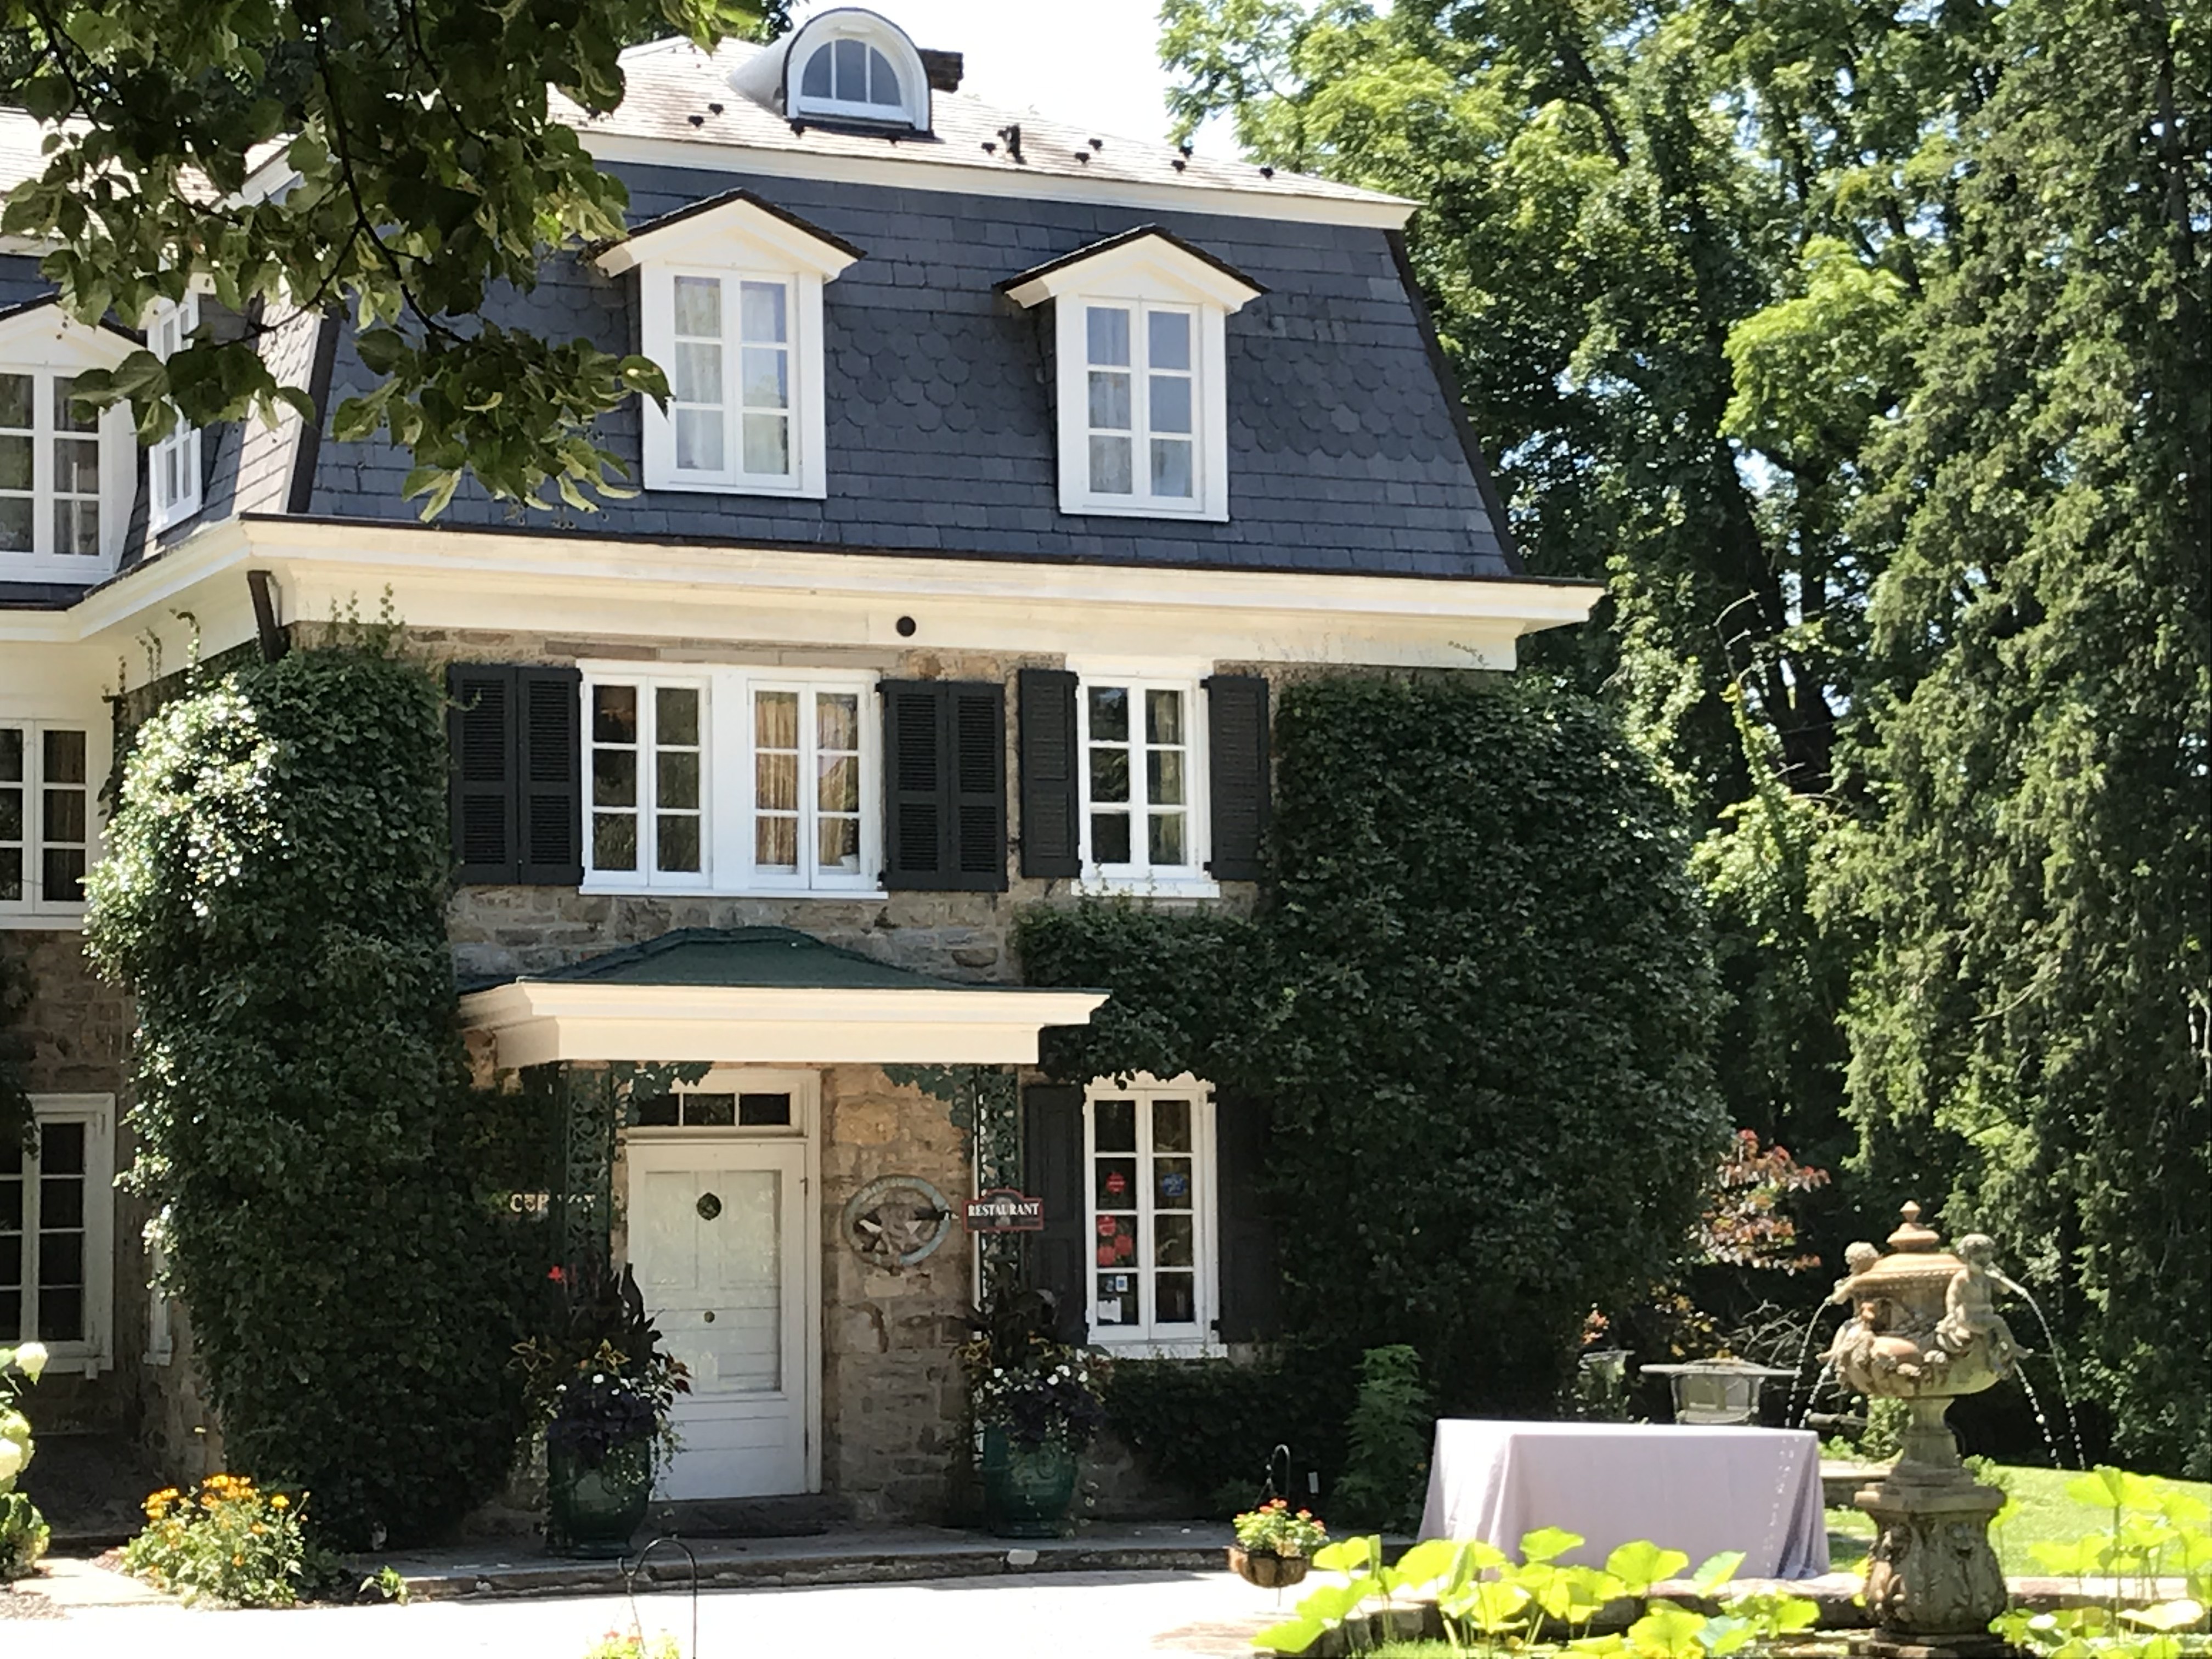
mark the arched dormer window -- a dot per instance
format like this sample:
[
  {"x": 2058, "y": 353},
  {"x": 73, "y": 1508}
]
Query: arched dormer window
[{"x": 851, "y": 65}]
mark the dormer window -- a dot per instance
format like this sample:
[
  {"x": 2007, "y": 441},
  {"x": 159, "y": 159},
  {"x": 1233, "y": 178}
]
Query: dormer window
[
  {"x": 173, "y": 464},
  {"x": 846, "y": 65},
  {"x": 66, "y": 475},
  {"x": 1142, "y": 373},
  {"x": 729, "y": 307}
]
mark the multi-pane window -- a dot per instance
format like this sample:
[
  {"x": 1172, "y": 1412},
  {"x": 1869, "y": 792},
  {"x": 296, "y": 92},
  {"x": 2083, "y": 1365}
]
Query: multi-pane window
[
  {"x": 730, "y": 782},
  {"x": 851, "y": 76},
  {"x": 1139, "y": 769},
  {"x": 46, "y": 817},
  {"x": 730, "y": 379},
  {"x": 56, "y": 1219},
  {"x": 49, "y": 469},
  {"x": 806, "y": 794},
  {"x": 648, "y": 781},
  {"x": 173, "y": 464},
  {"x": 1149, "y": 1169},
  {"x": 1143, "y": 398}
]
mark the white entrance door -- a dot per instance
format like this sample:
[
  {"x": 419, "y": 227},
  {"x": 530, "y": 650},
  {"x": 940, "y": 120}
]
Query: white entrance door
[{"x": 718, "y": 1241}]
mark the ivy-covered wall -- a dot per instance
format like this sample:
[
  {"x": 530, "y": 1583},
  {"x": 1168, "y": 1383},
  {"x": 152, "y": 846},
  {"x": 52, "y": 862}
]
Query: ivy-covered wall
[
  {"x": 1476, "y": 997},
  {"x": 273, "y": 895}
]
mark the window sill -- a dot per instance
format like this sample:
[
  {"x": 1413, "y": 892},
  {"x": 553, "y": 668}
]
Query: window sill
[
  {"x": 1143, "y": 510},
  {"x": 797, "y": 489},
  {"x": 1162, "y": 887},
  {"x": 1147, "y": 1347},
  {"x": 50, "y": 921},
  {"x": 623, "y": 890},
  {"x": 76, "y": 1360}
]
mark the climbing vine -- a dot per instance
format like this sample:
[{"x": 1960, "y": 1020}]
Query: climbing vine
[
  {"x": 1477, "y": 1003},
  {"x": 274, "y": 897}
]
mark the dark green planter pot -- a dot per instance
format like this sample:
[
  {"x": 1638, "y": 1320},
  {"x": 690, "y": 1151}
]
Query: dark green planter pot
[
  {"x": 1027, "y": 1490},
  {"x": 596, "y": 1512}
]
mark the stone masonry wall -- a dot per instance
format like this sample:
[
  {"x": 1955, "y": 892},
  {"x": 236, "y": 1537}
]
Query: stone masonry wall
[{"x": 892, "y": 1406}]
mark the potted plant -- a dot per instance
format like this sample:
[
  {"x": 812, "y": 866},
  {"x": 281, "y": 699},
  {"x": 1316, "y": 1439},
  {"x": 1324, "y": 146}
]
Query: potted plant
[
  {"x": 605, "y": 1394},
  {"x": 1035, "y": 1403},
  {"x": 1275, "y": 1544}
]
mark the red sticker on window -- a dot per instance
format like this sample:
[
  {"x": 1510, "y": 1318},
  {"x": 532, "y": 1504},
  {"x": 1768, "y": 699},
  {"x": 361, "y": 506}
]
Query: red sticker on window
[
  {"x": 1116, "y": 1183},
  {"x": 1106, "y": 1225}
]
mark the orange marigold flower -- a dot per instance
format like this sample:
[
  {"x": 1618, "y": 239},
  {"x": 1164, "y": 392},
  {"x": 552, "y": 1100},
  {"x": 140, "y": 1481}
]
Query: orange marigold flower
[{"x": 280, "y": 1502}]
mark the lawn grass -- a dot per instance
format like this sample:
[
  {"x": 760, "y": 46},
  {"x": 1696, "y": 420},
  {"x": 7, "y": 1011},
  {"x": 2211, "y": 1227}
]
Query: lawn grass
[{"x": 2039, "y": 1512}]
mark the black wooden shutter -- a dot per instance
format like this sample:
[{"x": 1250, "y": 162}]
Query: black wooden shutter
[
  {"x": 517, "y": 791},
  {"x": 479, "y": 731},
  {"x": 945, "y": 785},
  {"x": 1236, "y": 738},
  {"x": 550, "y": 781},
  {"x": 1057, "y": 1258},
  {"x": 1251, "y": 1282},
  {"x": 1049, "y": 804}
]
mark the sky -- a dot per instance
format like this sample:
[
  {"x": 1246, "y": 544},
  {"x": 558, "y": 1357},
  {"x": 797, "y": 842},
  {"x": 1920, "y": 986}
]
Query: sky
[{"x": 1092, "y": 63}]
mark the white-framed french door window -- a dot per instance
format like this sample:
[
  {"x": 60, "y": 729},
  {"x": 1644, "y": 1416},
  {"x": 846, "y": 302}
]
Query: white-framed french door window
[
  {"x": 1148, "y": 1156},
  {"x": 48, "y": 832},
  {"x": 649, "y": 756},
  {"x": 1143, "y": 781},
  {"x": 58, "y": 1231},
  {"x": 732, "y": 780},
  {"x": 742, "y": 350}
]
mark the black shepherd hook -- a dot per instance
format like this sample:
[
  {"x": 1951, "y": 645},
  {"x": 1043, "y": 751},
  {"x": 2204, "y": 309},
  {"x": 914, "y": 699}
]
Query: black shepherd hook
[
  {"x": 631, "y": 1570},
  {"x": 1270, "y": 1490}
]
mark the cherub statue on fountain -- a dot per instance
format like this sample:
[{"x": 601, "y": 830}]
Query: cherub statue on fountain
[{"x": 1970, "y": 1305}]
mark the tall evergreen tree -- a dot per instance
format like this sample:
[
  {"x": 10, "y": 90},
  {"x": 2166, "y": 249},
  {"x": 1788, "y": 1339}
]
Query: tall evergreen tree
[{"x": 2034, "y": 1012}]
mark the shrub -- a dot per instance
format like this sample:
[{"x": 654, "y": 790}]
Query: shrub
[
  {"x": 23, "y": 1532},
  {"x": 274, "y": 895},
  {"x": 1212, "y": 1425},
  {"x": 224, "y": 1541},
  {"x": 1391, "y": 1429}
]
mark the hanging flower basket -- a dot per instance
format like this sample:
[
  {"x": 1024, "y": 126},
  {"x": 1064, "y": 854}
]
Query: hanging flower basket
[{"x": 1266, "y": 1569}]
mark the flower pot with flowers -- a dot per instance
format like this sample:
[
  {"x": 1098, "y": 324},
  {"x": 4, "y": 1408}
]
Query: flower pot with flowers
[
  {"x": 604, "y": 1394},
  {"x": 1036, "y": 1402},
  {"x": 1275, "y": 1544}
]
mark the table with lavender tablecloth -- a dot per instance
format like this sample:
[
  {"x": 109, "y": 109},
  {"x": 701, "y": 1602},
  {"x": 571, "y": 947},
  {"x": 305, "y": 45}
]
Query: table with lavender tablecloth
[{"x": 1696, "y": 1489}]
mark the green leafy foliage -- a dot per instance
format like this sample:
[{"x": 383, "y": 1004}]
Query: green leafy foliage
[
  {"x": 433, "y": 167},
  {"x": 274, "y": 895},
  {"x": 1477, "y": 1006},
  {"x": 2156, "y": 1531},
  {"x": 23, "y": 1530},
  {"x": 2031, "y": 1015},
  {"x": 1386, "y": 1471},
  {"x": 1210, "y": 1426}
]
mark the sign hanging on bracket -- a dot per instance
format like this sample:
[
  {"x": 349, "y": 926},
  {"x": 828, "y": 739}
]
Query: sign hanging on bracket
[{"x": 1003, "y": 1210}]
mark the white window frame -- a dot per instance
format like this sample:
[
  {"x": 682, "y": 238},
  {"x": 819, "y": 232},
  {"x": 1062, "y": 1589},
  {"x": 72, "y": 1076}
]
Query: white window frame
[
  {"x": 168, "y": 331},
  {"x": 33, "y": 907},
  {"x": 1149, "y": 1339},
  {"x": 913, "y": 108},
  {"x": 1188, "y": 879},
  {"x": 803, "y": 411},
  {"x": 804, "y": 1087},
  {"x": 728, "y": 785},
  {"x": 95, "y": 1352},
  {"x": 1206, "y": 445},
  {"x": 647, "y": 806},
  {"x": 47, "y": 346}
]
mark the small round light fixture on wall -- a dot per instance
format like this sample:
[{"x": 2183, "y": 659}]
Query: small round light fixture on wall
[
  {"x": 895, "y": 1221},
  {"x": 906, "y": 627}
]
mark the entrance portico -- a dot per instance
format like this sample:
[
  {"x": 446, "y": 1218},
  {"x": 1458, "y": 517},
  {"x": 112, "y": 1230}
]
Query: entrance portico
[{"x": 769, "y": 1113}]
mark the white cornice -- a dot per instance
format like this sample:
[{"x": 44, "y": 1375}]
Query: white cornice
[
  {"x": 535, "y": 1022},
  {"x": 911, "y": 172},
  {"x": 588, "y": 588}
]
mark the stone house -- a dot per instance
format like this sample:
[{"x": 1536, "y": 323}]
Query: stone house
[{"x": 1009, "y": 468}]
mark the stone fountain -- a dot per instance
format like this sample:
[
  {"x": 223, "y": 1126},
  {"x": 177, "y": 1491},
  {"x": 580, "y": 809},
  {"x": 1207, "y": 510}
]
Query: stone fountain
[{"x": 1924, "y": 1328}]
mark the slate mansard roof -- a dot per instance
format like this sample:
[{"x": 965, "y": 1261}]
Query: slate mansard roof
[{"x": 1346, "y": 453}]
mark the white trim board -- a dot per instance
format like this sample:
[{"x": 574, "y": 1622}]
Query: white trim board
[
  {"x": 534, "y": 1022},
  {"x": 597, "y": 589}
]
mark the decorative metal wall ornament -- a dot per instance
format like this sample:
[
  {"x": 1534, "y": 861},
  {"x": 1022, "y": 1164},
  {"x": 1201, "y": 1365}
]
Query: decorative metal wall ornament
[{"x": 895, "y": 1221}]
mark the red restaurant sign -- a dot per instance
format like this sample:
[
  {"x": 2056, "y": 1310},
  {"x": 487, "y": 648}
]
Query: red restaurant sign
[{"x": 1003, "y": 1210}]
